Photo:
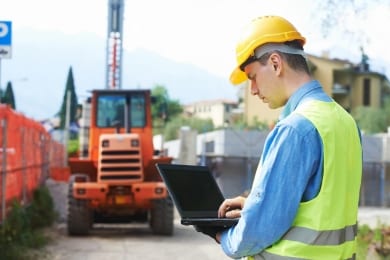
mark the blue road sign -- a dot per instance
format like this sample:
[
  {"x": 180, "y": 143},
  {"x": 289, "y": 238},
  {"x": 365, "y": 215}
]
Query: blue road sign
[{"x": 5, "y": 33}]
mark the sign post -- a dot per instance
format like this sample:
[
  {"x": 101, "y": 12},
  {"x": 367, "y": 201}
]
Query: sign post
[
  {"x": 5, "y": 41},
  {"x": 5, "y": 53}
]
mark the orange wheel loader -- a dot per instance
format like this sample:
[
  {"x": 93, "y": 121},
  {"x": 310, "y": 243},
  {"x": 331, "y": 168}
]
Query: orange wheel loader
[{"x": 114, "y": 178}]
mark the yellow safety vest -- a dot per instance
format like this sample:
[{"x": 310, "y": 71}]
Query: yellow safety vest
[{"x": 326, "y": 226}]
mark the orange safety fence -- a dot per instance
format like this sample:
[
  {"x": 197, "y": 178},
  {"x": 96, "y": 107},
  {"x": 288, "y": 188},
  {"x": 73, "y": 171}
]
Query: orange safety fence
[{"x": 27, "y": 154}]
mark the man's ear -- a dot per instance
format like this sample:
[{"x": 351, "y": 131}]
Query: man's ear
[{"x": 276, "y": 62}]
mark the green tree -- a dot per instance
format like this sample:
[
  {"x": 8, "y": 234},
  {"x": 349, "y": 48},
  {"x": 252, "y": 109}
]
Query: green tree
[
  {"x": 386, "y": 111},
  {"x": 240, "y": 123},
  {"x": 73, "y": 101},
  {"x": 8, "y": 97},
  {"x": 171, "y": 130},
  {"x": 370, "y": 120},
  {"x": 373, "y": 120},
  {"x": 164, "y": 109}
]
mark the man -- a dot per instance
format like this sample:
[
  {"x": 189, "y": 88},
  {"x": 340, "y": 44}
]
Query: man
[{"x": 304, "y": 198}]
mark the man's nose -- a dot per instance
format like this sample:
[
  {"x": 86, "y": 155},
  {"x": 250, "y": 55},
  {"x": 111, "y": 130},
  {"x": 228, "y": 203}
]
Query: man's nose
[{"x": 254, "y": 90}]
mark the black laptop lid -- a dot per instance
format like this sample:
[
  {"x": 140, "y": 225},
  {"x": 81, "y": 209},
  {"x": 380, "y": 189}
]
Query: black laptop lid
[{"x": 193, "y": 189}]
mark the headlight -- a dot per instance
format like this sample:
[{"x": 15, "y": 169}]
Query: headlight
[
  {"x": 80, "y": 191},
  {"x": 159, "y": 190},
  {"x": 134, "y": 143},
  {"x": 105, "y": 143}
]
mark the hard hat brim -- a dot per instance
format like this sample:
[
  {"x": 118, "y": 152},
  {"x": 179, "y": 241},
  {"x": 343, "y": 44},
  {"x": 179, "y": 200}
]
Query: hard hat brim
[{"x": 238, "y": 76}]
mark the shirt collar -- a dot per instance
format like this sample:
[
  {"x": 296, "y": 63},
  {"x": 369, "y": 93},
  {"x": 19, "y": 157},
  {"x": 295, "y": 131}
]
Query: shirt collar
[{"x": 298, "y": 96}]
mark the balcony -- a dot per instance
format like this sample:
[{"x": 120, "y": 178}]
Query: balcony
[{"x": 339, "y": 89}]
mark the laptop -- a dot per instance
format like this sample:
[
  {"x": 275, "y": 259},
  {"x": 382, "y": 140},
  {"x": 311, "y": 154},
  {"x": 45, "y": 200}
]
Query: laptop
[{"x": 195, "y": 194}]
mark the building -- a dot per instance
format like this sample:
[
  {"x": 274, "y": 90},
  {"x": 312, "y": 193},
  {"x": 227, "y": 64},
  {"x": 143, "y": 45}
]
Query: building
[
  {"x": 219, "y": 111},
  {"x": 375, "y": 189},
  {"x": 349, "y": 85}
]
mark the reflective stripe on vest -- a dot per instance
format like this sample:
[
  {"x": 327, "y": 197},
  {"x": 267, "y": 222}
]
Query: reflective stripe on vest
[
  {"x": 269, "y": 256},
  {"x": 321, "y": 238}
]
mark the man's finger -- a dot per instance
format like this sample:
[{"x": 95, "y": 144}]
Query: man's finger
[{"x": 236, "y": 213}]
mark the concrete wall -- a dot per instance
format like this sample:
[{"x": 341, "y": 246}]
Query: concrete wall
[{"x": 237, "y": 175}]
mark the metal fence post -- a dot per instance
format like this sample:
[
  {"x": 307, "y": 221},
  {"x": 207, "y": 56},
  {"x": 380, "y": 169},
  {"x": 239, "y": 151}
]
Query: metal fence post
[
  {"x": 383, "y": 185},
  {"x": 24, "y": 163},
  {"x": 43, "y": 159},
  {"x": 4, "y": 169}
]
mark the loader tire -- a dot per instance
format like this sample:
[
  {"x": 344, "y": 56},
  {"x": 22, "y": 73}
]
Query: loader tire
[
  {"x": 79, "y": 219},
  {"x": 161, "y": 217}
]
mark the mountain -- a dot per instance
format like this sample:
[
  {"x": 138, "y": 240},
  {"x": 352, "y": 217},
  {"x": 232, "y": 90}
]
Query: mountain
[{"x": 41, "y": 59}]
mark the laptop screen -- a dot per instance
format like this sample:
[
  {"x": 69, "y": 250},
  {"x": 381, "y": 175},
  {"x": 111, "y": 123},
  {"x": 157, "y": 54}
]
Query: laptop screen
[{"x": 193, "y": 189}]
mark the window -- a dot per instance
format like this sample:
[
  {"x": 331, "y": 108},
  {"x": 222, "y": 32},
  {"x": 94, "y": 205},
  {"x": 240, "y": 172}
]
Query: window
[
  {"x": 115, "y": 110},
  {"x": 366, "y": 92},
  {"x": 209, "y": 147}
]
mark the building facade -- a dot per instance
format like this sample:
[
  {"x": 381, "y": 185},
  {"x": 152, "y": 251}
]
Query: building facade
[{"x": 219, "y": 111}]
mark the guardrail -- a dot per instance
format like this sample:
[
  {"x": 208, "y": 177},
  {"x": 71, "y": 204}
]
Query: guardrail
[{"x": 27, "y": 153}]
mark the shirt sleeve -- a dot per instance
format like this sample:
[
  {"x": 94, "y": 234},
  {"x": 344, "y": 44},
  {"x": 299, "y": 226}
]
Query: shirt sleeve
[{"x": 289, "y": 170}]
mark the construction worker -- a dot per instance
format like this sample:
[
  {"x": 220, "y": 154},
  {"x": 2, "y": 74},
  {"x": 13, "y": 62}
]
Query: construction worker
[{"x": 303, "y": 203}]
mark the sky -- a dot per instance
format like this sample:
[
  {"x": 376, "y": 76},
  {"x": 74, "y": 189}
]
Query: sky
[{"x": 200, "y": 32}]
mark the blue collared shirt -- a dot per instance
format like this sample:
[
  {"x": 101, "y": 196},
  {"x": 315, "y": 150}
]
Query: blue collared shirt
[{"x": 289, "y": 172}]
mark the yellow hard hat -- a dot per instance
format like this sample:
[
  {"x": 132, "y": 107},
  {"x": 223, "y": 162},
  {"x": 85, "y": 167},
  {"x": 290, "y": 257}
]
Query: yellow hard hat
[{"x": 262, "y": 30}]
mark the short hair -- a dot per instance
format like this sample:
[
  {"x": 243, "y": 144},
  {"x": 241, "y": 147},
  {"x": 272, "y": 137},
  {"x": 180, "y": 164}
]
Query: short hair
[{"x": 295, "y": 61}]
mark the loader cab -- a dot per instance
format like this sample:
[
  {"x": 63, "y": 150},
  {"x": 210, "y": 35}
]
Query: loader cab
[{"x": 120, "y": 111}]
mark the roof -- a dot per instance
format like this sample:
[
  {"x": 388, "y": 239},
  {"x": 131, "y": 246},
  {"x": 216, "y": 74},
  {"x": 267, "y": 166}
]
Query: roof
[{"x": 213, "y": 102}]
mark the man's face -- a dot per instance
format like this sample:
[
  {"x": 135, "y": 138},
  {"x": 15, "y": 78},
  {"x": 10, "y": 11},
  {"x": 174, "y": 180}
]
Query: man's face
[{"x": 265, "y": 82}]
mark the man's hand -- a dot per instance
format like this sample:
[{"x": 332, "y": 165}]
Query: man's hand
[
  {"x": 231, "y": 208},
  {"x": 210, "y": 231}
]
